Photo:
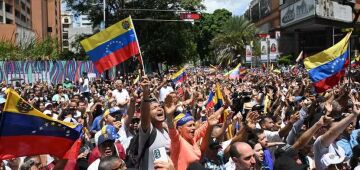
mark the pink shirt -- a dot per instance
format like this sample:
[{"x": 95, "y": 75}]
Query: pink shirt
[{"x": 182, "y": 152}]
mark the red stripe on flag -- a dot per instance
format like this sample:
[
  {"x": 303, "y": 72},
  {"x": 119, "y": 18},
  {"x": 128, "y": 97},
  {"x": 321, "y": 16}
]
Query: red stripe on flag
[
  {"x": 117, "y": 57},
  {"x": 325, "y": 84},
  {"x": 16, "y": 146}
]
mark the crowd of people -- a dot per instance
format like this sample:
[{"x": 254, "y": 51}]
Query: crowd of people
[{"x": 265, "y": 120}]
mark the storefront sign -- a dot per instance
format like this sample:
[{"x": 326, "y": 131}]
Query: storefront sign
[
  {"x": 334, "y": 11},
  {"x": 297, "y": 11}
]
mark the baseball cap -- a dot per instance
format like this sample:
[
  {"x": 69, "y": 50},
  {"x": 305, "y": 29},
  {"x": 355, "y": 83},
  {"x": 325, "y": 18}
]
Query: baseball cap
[
  {"x": 332, "y": 159},
  {"x": 257, "y": 107},
  {"x": 108, "y": 133},
  {"x": 113, "y": 111}
]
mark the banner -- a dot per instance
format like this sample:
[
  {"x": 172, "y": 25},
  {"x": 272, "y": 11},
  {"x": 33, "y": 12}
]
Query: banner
[
  {"x": 49, "y": 71},
  {"x": 248, "y": 55},
  {"x": 264, "y": 50},
  {"x": 273, "y": 46}
]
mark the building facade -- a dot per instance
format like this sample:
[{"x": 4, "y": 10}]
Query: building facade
[
  {"x": 303, "y": 25},
  {"x": 72, "y": 27},
  {"x": 22, "y": 21}
]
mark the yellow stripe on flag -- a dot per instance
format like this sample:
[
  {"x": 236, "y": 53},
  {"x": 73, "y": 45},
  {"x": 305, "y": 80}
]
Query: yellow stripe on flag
[
  {"x": 12, "y": 104},
  {"x": 178, "y": 73},
  {"x": 107, "y": 34},
  {"x": 328, "y": 54}
]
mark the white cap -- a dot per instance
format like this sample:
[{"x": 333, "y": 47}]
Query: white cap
[
  {"x": 335, "y": 156},
  {"x": 47, "y": 112}
]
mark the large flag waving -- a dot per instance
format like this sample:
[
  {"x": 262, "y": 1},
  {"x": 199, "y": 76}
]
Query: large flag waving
[
  {"x": 326, "y": 68},
  {"x": 25, "y": 131},
  {"x": 113, "y": 45}
]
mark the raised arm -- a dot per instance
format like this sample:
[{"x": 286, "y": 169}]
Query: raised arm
[
  {"x": 306, "y": 136},
  {"x": 283, "y": 132},
  {"x": 131, "y": 110},
  {"x": 145, "y": 104},
  {"x": 339, "y": 127}
]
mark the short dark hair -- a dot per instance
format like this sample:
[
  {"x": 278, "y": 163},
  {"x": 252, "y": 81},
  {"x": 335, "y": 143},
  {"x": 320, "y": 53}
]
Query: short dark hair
[
  {"x": 255, "y": 133},
  {"x": 106, "y": 163},
  {"x": 262, "y": 120},
  {"x": 233, "y": 150}
]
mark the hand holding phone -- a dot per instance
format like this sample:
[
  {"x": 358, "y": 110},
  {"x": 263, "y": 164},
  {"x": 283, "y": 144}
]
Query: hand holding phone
[{"x": 160, "y": 154}]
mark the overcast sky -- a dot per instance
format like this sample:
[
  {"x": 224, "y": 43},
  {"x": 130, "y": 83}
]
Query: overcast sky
[{"x": 237, "y": 7}]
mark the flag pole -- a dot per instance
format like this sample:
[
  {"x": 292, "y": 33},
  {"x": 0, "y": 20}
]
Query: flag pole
[
  {"x": 137, "y": 42},
  {"x": 349, "y": 74}
]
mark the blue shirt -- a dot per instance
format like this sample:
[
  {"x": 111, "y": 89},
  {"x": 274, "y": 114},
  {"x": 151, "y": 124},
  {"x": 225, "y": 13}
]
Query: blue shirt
[
  {"x": 268, "y": 162},
  {"x": 96, "y": 124},
  {"x": 348, "y": 143}
]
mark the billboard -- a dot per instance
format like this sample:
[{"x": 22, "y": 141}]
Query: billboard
[{"x": 297, "y": 11}]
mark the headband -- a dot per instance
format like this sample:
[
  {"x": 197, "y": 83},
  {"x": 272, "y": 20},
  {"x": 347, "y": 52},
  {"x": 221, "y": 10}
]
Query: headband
[{"x": 182, "y": 119}]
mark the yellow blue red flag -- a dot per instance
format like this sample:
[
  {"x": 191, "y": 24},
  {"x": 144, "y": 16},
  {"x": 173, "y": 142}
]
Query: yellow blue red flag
[
  {"x": 25, "y": 131},
  {"x": 113, "y": 45},
  {"x": 179, "y": 76},
  {"x": 326, "y": 68}
]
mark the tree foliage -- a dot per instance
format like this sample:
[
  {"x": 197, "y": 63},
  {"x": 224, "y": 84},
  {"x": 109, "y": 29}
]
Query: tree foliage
[
  {"x": 161, "y": 42},
  {"x": 34, "y": 50},
  {"x": 230, "y": 44}
]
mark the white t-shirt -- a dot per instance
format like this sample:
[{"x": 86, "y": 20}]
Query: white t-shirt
[
  {"x": 162, "y": 139},
  {"x": 94, "y": 165},
  {"x": 164, "y": 91},
  {"x": 121, "y": 97},
  {"x": 85, "y": 85},
  {"x": 125, "y": 137},
  {"x": 320, "y": 151}
]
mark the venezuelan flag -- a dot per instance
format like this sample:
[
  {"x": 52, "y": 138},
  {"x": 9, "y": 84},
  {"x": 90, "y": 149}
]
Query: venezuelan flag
[
  {"x": 234, "y": 71},
  {"x": 355, "y": 61},
  {"x": 215, "y": 99},
  {"x": 25, "y": 131},
  {"x": 326, "y": 68},
  {"x": 113, "y": 45},
  {"x": 179, "y": 76},
  {"x": 210, "y": 102}
]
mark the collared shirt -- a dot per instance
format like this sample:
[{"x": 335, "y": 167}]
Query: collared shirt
[{"x": 348, "y": 143}]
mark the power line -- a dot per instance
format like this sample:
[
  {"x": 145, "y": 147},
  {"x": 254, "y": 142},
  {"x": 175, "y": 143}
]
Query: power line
[
  {"x": 163, "y": 20},
  {"x": 157, "y": 10}
]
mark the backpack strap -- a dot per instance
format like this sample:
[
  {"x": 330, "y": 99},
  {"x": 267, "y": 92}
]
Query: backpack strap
[{"x": 148, "y": 143}]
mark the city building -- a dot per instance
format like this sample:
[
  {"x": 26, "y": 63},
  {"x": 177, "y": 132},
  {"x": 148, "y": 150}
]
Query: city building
[
  {"x": 303, "y": 25},
  {"x": 72, "y": 27},
  {"x": 22, "y": 21}
]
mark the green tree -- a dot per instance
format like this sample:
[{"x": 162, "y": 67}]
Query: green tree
[
  {"x": 33, "y": 50},
  {"x": 207, "y": 28},
  {"x": 230, "y": 44},
  {"x": 161, "y": 42}
]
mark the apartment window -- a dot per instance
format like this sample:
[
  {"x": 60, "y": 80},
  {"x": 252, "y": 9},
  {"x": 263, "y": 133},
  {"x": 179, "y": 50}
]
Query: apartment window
[
  {"x": 65, "y": 43},
  {"x": 23, "y": 7},
  {"x": 66, "y": 20},
  {"x": 49, "y": 29},
  {"x": 17, "y": 13},
  {"x": 17, "y": 2},
  {"x": 1, "y": 5},
  {"x": 65, "y": 35},
  {"x": 66, "y": 26},
  {"x": 85, "y": 18},
  {"x": 1, "y": 19},
  {"x": 8, "y": 8},
  {"x": 28, "y": 10},
  {"x": 9, "y": 21},
  {"x": 23, "y": 18},
  {"x": 86, "y": 24}
]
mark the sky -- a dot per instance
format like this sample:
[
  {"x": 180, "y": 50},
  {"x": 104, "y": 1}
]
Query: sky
[{"x": 237, "y": 7}]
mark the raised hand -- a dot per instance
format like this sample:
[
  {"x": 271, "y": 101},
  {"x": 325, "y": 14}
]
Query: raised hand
[
  {"x": 251, "y": 119},
  {"x": 214, "y": 119},
  {"x": 294, "y": 117},
  {"x": 325, "y": 120},
  {"x": 170, "y": 103},
  {"x": 328, "y": 107}
]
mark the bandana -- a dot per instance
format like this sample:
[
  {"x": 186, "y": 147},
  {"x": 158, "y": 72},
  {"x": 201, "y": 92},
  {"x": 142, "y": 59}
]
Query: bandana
[{"x": 182, "y": 119}]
